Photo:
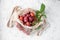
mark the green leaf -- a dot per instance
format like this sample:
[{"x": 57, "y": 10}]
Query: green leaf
[
  {"x": 37, "y": 13},
  {"x": 42, "y": 8},
  {"x": 41, "y": 11},
  {"x": 39, "y": 19},
  {"x": 43, "y": 14}
]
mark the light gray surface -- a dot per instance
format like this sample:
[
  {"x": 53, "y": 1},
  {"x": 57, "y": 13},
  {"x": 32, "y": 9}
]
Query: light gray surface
[{"x": 53, "y": 16}]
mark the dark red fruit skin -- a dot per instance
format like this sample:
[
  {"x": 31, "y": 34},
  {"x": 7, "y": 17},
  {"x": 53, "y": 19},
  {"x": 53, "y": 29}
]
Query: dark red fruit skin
[
  {"x": 25, "y": 19},
  {"x": 31, "y": 19},
  {"x": 28, "y": 24},
  {"x": 28, "y": 15},
  {"x": 32, "y": 14},
  {"x": 18, "y": 16},
  {"x": 21, "y": 18}
]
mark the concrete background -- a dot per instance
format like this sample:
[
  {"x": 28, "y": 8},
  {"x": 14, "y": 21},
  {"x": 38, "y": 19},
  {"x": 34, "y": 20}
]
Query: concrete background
[{"x": 53, "y": 16}]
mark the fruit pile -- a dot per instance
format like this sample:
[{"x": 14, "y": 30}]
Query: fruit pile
[{"x": 27, "y": 19}]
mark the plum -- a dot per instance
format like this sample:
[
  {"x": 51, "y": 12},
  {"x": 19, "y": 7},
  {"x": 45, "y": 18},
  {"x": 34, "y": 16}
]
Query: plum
[
  {"x": 26, "y": 19},
  {"x": 32, "y": 14},
  {"x": 31, "y": 19},
  {"x": 28, "y": 23},
  {"x": 21, "y": 18},
  {"x": 27, "y": 15}
]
